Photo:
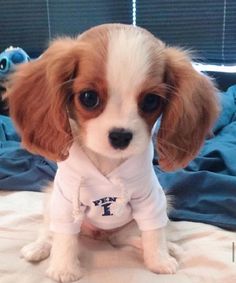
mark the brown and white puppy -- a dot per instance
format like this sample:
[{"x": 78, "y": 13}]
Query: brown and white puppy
[{"x": 133, "y": 79}]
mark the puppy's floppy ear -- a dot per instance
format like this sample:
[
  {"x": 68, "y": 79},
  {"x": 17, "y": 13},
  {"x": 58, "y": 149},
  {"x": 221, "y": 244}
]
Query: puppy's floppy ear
[
  {"x": 37, "y": 100},
  {"x": 189, "y": 114}
]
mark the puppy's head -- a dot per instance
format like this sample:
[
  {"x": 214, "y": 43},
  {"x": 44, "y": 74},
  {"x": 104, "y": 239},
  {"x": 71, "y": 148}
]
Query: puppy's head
[{"x": 114, "y": 81}]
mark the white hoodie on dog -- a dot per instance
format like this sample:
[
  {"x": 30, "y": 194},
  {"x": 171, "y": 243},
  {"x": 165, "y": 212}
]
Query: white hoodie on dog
[{"x": 82, "y": 193}]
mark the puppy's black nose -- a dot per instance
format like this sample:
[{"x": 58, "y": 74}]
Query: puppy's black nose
[{"x": 120, "y": 138}]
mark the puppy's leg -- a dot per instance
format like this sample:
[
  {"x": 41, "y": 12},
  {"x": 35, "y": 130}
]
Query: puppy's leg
[
  {"x": 64, "y": 265},
  {"x": 155, "y": 250},
  {"x": 40, "y": 249}
]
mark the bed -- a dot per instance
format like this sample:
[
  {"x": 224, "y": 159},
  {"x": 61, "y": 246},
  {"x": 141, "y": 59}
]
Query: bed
[{"x": 205, "y": 252}]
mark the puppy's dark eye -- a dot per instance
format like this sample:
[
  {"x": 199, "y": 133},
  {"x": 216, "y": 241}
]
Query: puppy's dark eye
[
  {"x": 150, "y": 103},
  {"x": 89, "y": 99}
]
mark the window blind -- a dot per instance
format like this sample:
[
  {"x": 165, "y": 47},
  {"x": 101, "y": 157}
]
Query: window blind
[
  {"x": 206, "y": 27},
  {"x": 24, "y": 24},
  {"x": 30, "y": 24},
  {"x": 75, "y": 16}
]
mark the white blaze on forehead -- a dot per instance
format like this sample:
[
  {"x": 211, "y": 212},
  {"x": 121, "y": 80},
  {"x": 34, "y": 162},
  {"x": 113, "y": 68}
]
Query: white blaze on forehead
[{"x": 128, "y": 61}]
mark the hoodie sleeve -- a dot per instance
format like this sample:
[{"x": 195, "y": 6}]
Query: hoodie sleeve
[
  {"x": 149, "y": 205},
  {"x": 64, "y": 202}
]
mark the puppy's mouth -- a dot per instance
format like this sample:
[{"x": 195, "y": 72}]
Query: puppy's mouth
[{"x": 113, "y": 153}]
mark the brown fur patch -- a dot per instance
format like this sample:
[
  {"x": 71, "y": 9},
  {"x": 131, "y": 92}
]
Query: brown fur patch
[{"x": 188, "y": 116}]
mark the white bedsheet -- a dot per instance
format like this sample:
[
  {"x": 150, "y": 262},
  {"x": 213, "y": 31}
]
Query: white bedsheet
[{"x": 205, "y": 255}]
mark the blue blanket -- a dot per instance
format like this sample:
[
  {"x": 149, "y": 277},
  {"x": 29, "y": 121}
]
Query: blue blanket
[
  {"x": 205, "y": 191},
  {"x": 20, "y": 170}
]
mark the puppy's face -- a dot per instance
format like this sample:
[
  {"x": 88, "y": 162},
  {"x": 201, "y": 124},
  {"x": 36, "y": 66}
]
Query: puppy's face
[
  {"x": 114, "y": 81},
  {"x": 118, "y": 91}
]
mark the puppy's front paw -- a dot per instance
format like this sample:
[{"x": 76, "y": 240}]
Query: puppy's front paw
[
  {"x": 65, "y": 273},
  {"x": 36, "y": 251},
  {"x": 163, "y": 264}
]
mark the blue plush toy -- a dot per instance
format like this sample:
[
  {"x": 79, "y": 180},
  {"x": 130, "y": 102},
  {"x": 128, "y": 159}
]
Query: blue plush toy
[{"x": 9, "y": 58}]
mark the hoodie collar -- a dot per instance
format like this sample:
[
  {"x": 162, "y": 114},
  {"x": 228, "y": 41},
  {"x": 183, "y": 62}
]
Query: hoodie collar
[{"x": 130, "y": 169}]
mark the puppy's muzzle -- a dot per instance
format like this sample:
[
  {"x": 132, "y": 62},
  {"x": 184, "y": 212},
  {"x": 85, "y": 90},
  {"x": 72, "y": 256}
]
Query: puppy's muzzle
[{"x": 120, "y": 138}]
